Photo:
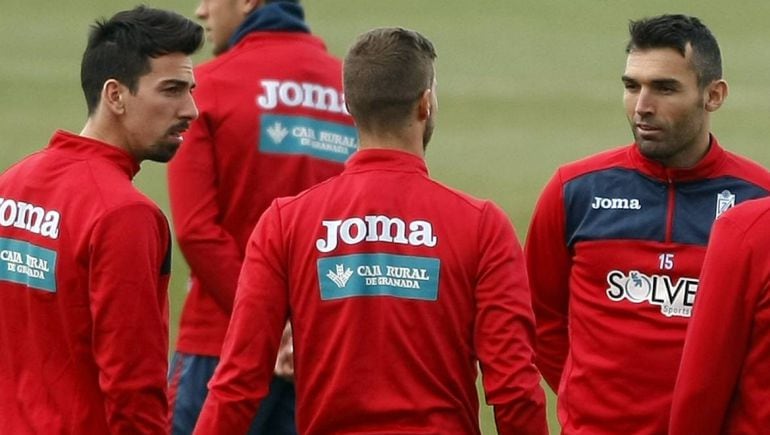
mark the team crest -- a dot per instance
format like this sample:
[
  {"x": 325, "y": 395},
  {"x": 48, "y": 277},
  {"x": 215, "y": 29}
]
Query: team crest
[{"x": 725, "y": 201}]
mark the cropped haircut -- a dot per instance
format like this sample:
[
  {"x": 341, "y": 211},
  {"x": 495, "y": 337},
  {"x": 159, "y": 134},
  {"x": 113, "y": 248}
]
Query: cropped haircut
[
  {"x": 120, "y": 48},
  {"x": 384, "y": 74},
  {"x": 676, "y": 31}
]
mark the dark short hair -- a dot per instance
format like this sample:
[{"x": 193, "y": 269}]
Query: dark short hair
[
  {"x": 120, "y": 48},
  {"x": 676, "y": 31},
  {"x": 385, "y": 72}
]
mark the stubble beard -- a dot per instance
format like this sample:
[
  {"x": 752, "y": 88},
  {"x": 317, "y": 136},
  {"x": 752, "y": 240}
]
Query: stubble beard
[
  {"x": 676, "y": 139},
  {"x": 162, "y": 152}
]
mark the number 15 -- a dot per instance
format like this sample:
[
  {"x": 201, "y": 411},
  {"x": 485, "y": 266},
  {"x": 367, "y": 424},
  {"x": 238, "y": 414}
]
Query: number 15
[{"x": 666, "y": 261}]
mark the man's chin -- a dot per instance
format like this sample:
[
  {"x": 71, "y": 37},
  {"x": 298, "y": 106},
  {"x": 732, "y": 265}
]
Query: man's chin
[
  {"x": 164, "y": 154},
  {"x": 653, "y": 149}
]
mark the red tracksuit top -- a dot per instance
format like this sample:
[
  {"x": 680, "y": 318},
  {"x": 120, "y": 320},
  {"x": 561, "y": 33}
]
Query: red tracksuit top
[
  {"x": 723, "y": 387},
  {"x": 84, "y": 264},
  {"x": 388, "y": 324},
  {"x": 272, "y": 123},
  {"x": 614, "y": 251}
]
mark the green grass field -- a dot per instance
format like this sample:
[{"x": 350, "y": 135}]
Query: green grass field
[{"x": 523, "y": 85}]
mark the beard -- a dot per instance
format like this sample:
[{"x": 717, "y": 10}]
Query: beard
[
  {"x": 162, "y": 152},
  {"x": 675, "y": 140}
]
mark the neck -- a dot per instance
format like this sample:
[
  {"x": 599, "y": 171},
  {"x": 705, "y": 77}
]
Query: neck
[
  {"x": 411, "y": 145},
  {"x": 692, "y": 156},
  {"x": 95, "y": 130}
]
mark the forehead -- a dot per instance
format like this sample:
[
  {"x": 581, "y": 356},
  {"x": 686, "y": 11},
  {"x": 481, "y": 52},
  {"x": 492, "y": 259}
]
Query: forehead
[
  {"x": 173, "y": 66},
  {"x": 660, "y": 64}
]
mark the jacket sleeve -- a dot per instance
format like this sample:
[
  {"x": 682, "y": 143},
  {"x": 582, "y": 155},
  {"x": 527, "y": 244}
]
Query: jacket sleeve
[
  {"x": 504, "y": 330},
  {"x": 548, "y": 264},
  {"x": 195, "y": 210},
  {"x": 243, "y": 375},
  {"x": 719, "y": 330},
  {"x": 129, "y": 266}
]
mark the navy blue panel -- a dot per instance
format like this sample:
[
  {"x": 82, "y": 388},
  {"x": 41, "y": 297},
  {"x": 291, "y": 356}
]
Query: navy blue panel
[
  {"x": 696, "y": 206},
  {"x": 615, "y": 204}
]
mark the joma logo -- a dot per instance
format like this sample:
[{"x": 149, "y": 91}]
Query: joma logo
[
  {"x": 376, "y": 229},
  {"x": 29, "y": 217},
  {"x": 616, "y": 203},
  {"x": 293, "y": 94}
]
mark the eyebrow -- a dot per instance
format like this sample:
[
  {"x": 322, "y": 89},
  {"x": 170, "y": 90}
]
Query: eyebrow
[
  {"x": 655, "y": 82},
  {"x": 667, "y": 82},
  {"x": 177, "y": 82}
]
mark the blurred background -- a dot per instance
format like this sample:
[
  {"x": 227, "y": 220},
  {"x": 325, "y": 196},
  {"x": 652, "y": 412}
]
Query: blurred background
[{"x": 523, "y": 85}]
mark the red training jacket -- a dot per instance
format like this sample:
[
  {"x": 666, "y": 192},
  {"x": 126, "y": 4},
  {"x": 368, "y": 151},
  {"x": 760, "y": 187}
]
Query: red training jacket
[
  {"x": 614, "y": 251},
  {"x": 272, "y": 123},
  {"x": 84, "y": 268},
  {"x": 396, "y": 286},
  {"x": 722, "y": 386}
]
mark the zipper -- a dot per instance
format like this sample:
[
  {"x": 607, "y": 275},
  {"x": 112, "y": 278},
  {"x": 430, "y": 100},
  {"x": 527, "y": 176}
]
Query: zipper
[{"x": 670, "y": 210}]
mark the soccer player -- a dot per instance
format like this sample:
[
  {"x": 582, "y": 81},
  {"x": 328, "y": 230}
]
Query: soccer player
[
  {"x": 84, "y": 256},
  {"x": 617, "y": 239},
  {"x": 273, "y": 123},
  {"x": 722, "y": 386},
  {"x": 394, "y": 283}
]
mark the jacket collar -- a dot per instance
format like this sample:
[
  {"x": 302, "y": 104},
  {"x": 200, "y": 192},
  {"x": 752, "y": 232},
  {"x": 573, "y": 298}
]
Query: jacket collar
[
  {"x": 91, "y": 148},
  {"x": 706, "y": 166},
  {"x": 275, "y": 17},
  {"x": 386, "y": 159}
]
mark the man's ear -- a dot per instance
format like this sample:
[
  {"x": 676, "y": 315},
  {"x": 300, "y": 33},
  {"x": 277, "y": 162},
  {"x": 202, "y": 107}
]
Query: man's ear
[
  {"x": 425, "y": 106},
  {"x": 716, "y": 93},
  {"x": 113, "y": 95},
  {"x": 249, "y": 6}
]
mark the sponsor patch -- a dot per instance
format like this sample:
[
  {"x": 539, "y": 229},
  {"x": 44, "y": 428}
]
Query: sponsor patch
[
  {"x": 307, "y": 136},
  {"x": 399, "y": 276},
  {"x": 675, "y": 298},
  {"x": 27, "y": 264}
]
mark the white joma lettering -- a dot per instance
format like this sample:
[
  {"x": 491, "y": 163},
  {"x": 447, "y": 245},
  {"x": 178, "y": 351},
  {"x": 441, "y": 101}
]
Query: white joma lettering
[
  {"x": 376, "y": 228},
  {"x": 293, "y": 94},
  {"x": 29, "y": 217},
  {"x": 616, "y": 203}
]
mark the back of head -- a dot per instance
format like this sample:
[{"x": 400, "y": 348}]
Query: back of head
[
  {"x": 384, "y": 74},
  {"x": 120, "y": 48},
  {"x": 677, "y": 32}
]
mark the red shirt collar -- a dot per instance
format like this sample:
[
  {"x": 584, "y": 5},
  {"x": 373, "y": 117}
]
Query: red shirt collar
[
  {"x": 386, "y": 159},
  {"x": 706, "y": 166},
  {"x": 92, "y": 148}
]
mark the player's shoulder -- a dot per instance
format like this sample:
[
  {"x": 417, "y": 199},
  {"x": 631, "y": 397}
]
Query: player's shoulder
[
  {"x": 461, "y": 197},
  {"x": 745, "y": 225},
  {"x": 111, "y": 189},
  {"x": 747, "y": 169},
  {"x": 748, "y": 215},
  {"x": 312, "y": 194},
  {"x": 131, "y": 200},
  {"x": 617, "y": 157}
]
